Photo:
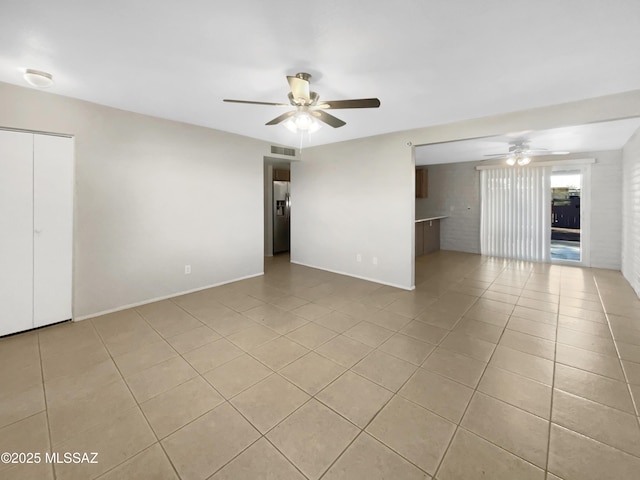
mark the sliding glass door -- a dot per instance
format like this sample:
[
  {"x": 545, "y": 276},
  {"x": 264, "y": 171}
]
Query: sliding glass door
[
  {"x": 569, "y": 221},
  {"x": 538, "y": 213}
]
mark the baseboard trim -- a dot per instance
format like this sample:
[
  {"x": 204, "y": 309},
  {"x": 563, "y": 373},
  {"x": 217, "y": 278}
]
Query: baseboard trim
[
  {"x": 355, "y": 276},
  {"x": 164, "y": 297}
]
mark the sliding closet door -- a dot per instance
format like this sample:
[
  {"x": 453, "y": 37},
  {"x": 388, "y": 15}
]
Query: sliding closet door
[
  {"x": 53, "y": 229},
  {"x": 16, "y": 232}
]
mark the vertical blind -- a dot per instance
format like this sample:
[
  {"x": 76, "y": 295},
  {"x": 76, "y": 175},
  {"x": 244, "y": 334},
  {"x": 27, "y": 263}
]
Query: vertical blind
[{"x": 515, "y": 217}]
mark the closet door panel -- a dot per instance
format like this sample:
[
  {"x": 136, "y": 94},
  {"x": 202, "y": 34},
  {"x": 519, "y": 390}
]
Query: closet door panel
[
  {"x": 16, "y": 232},
  {"x": 53, "y": 228}
]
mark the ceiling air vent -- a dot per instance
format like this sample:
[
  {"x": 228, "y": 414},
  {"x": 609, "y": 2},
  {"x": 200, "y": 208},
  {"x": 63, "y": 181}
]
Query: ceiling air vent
[{"x": 289, "y": 152}]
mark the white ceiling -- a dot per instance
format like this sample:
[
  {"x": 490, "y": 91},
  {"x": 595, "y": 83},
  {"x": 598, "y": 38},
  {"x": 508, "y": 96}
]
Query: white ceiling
[
  {"x": 429, "y": 61},
  {"x": 593, "y": 137}
]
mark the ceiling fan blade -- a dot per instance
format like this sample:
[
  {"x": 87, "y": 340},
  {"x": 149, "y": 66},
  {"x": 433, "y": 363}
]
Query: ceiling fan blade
[
  {"x": 328, "y": 119},
  {"x": 356, "y": 103},
  {"x": 538, "y": 153},
  {"x": 299, "y": 90},
  {"x": 542, "y": 151},
  {"x": 281, "y": 118},
  {"x": 498, "y": 155},
  {"x": 256, "y": 103},
  {"x": 545, "y": 151}
]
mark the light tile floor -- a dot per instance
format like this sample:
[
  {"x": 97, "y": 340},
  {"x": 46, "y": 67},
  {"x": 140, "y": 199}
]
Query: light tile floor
[{"x": 489, "y": 369}]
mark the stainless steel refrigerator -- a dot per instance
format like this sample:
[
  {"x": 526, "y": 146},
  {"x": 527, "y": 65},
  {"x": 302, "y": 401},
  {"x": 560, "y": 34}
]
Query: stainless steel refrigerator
[{"x": 281, "y": 217}]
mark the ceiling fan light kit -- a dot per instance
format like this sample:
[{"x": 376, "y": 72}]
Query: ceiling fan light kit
[
  {"x": 309, "y": 112},
  {"x": 520, "y": 153},
  {"x": 302, "y": 121},
  {"x": 517, "y": 159},
  {"x": 38, "y": 78}
]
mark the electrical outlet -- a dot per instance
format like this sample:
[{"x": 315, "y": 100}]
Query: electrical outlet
[
  {"x": 358, "y": 257},
  {"x": 187, "y": 269},
  {"x": 375, "y": 260}
]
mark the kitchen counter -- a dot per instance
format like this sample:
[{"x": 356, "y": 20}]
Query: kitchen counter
[
  {"x": 430, "y": 218},
  {"x": 428, "y": 234}
]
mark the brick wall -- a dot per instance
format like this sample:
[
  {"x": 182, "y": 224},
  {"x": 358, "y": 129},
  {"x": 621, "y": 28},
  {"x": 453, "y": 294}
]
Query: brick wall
[{"x": 631, "y": 212}]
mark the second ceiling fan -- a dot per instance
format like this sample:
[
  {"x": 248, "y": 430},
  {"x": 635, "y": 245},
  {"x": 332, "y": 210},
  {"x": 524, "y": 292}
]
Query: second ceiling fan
[
  {"x": 521, "y": 152},
  {"x": 308, "y": 106}
]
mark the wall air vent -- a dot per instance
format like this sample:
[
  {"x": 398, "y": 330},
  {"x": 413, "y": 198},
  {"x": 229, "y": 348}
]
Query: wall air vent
[{"x": 289, "y": 152}]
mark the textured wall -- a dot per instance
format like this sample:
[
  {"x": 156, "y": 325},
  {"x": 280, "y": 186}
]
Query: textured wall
[
  {"x": 606, "y": 209},
  {"x": 631, "y": 212}
]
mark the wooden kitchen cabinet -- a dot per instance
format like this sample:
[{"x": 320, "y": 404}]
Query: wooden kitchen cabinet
[
  {"x": 427, "y": 236},
  {"x": 422, "y": 183},
  {"x": 281, "y": 175},
  {"x": 431, "y": 234}
]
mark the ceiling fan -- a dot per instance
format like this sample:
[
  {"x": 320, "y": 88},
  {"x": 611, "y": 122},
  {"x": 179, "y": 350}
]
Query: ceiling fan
[
  {"x": 308, "y": 108},
  {"x": 521, "y": 153}
]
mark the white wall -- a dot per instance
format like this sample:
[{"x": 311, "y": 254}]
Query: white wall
[
  {"x": 631, "y": 212},
  {"x": 457, "y": 185},
  {"x": 151, "y": 196},
  {"x": 354, "y": 198}
]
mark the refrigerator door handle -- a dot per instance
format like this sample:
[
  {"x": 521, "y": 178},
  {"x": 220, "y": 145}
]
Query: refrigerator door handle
[{"x": 287, "y": 206}]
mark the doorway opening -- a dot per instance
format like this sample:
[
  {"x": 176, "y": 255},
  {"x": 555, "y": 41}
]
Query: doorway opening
[
  {"x": 567, "y": 226},
  {"x": 281, "y": 211},
  {"x": 277, "y": 206}
]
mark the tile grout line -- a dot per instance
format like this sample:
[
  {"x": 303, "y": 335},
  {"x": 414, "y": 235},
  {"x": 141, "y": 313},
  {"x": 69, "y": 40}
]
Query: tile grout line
[
  {"x": 553, "y": 379},
  {"x": 46, "y": 406},
  {"x": 360, "y": 433},
  {"x": 636, "y": 407}
]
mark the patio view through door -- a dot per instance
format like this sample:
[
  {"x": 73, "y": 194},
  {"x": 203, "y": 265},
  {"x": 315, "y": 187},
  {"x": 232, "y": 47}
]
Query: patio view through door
[
  {"x": 565, "y": 215},
  {"x": 567, "y": 228}
]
